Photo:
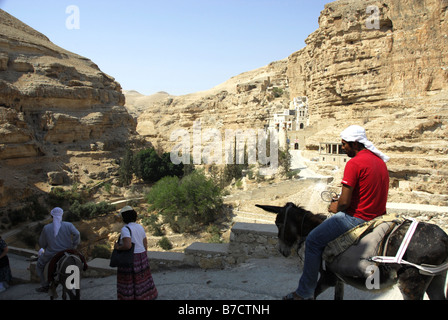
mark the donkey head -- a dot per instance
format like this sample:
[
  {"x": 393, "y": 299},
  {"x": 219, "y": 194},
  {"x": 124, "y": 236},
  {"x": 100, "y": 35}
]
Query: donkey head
[{"x": 288, "y": 222}]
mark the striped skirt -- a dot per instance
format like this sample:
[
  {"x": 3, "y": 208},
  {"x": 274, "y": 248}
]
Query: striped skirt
[{"x": 136, "y": 283}]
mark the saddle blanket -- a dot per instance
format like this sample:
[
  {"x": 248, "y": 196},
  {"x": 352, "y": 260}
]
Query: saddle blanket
[{"x": 349, "y": 254}]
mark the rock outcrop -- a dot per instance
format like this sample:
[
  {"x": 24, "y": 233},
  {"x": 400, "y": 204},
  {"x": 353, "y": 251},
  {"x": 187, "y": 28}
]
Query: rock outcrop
[{"x": 54, "y": 105}]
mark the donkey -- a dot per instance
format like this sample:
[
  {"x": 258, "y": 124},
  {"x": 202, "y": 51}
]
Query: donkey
[
  {"x": 429, "y": 246},
  {"x": 60, "y": 273}
]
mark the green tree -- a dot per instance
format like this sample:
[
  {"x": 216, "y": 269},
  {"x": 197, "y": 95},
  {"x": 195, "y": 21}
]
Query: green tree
[
  {"x": 126, "y": 170},
  {"x": 151, "y": 168},
  {"x": 284, "y": 160}
]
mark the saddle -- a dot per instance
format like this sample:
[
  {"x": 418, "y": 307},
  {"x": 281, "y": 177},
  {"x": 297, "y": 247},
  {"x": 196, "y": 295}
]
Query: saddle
[
  {"x": 54, "y": 264},
  {"x": 350, "y": 253}
]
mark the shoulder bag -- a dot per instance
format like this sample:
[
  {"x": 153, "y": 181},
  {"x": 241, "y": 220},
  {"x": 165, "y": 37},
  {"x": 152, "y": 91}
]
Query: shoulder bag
[{"x": 122, "y": 258}]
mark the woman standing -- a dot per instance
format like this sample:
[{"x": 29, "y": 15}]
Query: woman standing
[
  {"x": 135, "y": 282},
  {"x": 5, "y": 270}
]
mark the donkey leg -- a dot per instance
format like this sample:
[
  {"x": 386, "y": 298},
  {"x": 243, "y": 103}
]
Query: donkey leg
[
  {"x": 412, "y": 284},
  {"x": 327, "y": 280},
  {"x": 339, "y": 290},
  {"x": 436, "y": 289}
]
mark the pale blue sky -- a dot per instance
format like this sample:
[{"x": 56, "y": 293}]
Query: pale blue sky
[{"x": 178, "y": 46}]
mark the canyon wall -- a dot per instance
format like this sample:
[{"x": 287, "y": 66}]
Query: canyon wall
[
  {"x": 243, "y": 102},
  {"x": 393, "y": 80},
  {"x": 54, "y": 106}
]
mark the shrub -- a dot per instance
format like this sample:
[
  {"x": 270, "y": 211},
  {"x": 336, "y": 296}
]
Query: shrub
[
  {"x": 101, "y": 251},
  {"x": 152, "y": 222},
  {"x": 165, "y": 244},
  {"x": 151, "y": 168},
  {"x": 187, "y": 203},
  {"x": 88, "y": 210},
  {"x": 33, "y": 211},
  {"x": 215, "y": 234},
  {"x": 58, "y": 197}
]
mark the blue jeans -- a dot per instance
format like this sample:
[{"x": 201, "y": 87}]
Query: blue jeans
[{"x": 315, "y": 244}]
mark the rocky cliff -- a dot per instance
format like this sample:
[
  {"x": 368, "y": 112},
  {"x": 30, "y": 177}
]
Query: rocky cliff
[
  {"x": 392, "y": 79},
  {"x": 55, "y": 106},
  {"x": 244, "y": 101}
]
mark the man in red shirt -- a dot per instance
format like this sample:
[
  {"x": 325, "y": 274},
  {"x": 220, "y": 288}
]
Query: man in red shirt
[
  {"x": 365, "y": 187},
  {"x": 365, "y": 184}
]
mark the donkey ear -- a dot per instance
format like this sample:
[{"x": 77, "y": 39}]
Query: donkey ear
[{"x": 272, "y": 209}]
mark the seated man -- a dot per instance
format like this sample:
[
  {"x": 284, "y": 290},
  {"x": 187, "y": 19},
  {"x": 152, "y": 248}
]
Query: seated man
[
  {"x": 365, "y": 187},
  {"x": 55, "y": 237}
]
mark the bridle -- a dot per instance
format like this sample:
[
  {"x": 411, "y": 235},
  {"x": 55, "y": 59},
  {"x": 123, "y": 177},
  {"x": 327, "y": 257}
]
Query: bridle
[{"x": 302, "y": 238}]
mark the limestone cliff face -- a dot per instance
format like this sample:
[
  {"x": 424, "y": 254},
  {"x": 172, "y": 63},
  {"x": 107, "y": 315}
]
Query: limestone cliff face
[
  {"x": 392, "y": 80},
  {"x": 52, "y": 103},
  {"x": 244, "y": 101}
]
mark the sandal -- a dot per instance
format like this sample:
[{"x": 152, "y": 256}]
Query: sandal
[
  {"x": 43, "y": 289},
  {"x": 292, "y": 296}
]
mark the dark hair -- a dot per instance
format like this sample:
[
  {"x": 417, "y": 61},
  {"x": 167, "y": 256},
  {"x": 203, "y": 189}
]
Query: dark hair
[
  {"x": 129, "y": 216},
  {"x": 359, "y": 144}
]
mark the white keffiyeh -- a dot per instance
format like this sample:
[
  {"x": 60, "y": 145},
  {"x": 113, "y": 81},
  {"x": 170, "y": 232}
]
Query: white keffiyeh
[
  {"x": 358, "y": 134},
  {"x": 57, "y": 219}
]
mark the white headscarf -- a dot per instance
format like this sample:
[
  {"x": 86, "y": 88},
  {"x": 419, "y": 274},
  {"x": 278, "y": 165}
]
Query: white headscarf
[
  {"x": 57, "y": 219},
  {"x": 358, "y": 134}
]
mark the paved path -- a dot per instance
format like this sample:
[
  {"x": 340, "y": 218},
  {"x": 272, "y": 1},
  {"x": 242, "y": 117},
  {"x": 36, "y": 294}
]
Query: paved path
[{"x": 260, "y": 279}]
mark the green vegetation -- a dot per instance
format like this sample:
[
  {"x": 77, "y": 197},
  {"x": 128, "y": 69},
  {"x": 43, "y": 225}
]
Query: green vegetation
[
  {"x": 284, "y": 161},
  {"x": 101, "y": 251},
  {"x": 33, "y": 211},
  {"x": 87, "y": 210},
  {"x": 165, "y": 244},
  {"x": 148, "y": 166},
  {"x": 188, "y": 203}
]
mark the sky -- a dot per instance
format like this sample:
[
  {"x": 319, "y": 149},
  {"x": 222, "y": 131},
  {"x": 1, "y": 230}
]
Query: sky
[{"x": 176, "y": 46}]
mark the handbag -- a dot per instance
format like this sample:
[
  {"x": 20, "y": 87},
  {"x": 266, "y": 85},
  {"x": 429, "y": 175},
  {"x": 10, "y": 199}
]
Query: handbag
[{"x": 122, "y": 258}]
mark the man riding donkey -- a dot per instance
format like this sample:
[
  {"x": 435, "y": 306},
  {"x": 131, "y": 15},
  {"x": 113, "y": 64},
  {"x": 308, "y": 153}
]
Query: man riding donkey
[
  {"x": 365, "y": 188},
  {"x": 56, "y": 238}
]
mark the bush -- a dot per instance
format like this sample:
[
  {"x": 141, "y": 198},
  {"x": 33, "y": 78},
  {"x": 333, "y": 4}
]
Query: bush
[
  {"x": 58, "y": 197},
  {"x": 188, "y": 203},
  {"x": 101, "y": 251},
  {"x": 88, "y": 210},
  {"x": 152, "y": 222},
  {"x": 33, "y": 211},
  {"x": 151, "y": 168},
  {"x": 165, "y": 244}
]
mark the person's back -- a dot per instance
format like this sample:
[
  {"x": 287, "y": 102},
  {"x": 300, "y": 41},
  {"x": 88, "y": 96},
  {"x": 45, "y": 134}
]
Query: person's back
[
  {"x": 67, "y": 238},
  {"x": 369, "y": 177},
  {"x": 56, "y": 237}
]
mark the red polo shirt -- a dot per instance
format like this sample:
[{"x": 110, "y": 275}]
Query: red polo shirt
[{"x": 368, "y": 175}]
